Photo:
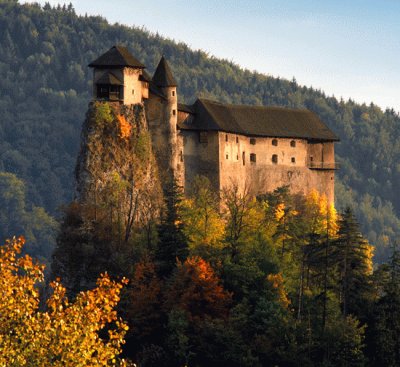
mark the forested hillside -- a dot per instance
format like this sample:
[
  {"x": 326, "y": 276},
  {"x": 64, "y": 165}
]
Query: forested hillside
[{"x": 45, "y": 87}]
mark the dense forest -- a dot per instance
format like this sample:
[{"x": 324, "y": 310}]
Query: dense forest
[
  {"x": 45, "y": 88},
  {"x": 276, "y": 280}
]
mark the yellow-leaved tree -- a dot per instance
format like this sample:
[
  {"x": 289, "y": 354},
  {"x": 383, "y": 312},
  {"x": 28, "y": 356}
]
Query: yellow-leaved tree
[{"x": 85, "y": 332}]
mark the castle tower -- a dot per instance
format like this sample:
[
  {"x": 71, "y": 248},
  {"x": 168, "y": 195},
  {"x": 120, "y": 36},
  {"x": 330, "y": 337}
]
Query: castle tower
[
  {"x": 119, "y": 77},
  {"x": 165, "y": 82}
]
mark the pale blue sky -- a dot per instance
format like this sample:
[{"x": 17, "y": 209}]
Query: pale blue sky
[{"x": 347, "y": 48}]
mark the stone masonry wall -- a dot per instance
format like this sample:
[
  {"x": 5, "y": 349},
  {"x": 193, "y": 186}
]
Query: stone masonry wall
[{"x": 250, "y": 162}]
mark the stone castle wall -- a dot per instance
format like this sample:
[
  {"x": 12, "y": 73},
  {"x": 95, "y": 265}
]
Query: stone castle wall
[
  {"x": 248, "y": 162},
  {"x": 262, "y": 164},
  {"x": 132, "y": 86}
]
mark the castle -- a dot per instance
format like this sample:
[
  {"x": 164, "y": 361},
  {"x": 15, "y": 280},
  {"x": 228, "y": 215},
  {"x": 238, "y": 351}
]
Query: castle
[{"x": 257, "y": 147}]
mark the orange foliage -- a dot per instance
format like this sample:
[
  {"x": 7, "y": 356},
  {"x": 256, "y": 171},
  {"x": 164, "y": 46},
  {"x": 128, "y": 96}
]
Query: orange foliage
[
  {"x": 124, "y": 127},
  {"x": 144, "y": 299},
  {"x": 196, "y": 289},
  {"x": 68, "y": 333},
  {"x": 276, "y": 281}
]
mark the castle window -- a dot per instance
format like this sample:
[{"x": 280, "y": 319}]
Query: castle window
[
  {"x": 237, "y": 157},
  {"x": 275, "y": 142},
  {"x": 173, "y": 93},
  {"x": 252, "y": 141},
  {"x": 275, "y": 158},
  {"x": 203, "y": 138},
  {"x": 227, "y": 156},
  {"x": 133, "y": 91},
  {"x": 181, "y": 156},
  {"x": 109, "y": 92},
  {"x": 226, "y": 137},
  {"x": 174, "y": 112},
  {"x": 253, "y": 157},
  {"x": 293, "y": 160},
  {"x": 293, "y": 143},
  {"x": 244, "y": 158},
  {"x": 237, "y": 140}
]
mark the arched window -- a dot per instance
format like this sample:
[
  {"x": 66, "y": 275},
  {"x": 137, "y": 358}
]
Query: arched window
[
  {"x": 293, "y": 143},
  {"x": 275, "y": 158},
  {"x": 275, "y": 142}
]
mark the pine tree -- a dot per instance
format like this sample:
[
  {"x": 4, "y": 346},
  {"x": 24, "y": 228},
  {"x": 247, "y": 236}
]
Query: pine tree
[
  {"x": 173, "y": 244},
  {"x": 353, "y": 256},
  {"x": 385, "y": 328}
]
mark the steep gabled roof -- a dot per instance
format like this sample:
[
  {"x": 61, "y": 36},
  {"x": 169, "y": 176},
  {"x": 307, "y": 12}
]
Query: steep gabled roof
[
  {"x": 117, "y": 56},
  {"x": 163, "y": 75},
  {"x": 109, "y": 78},
  {"x": 145, "y": 77},
  {"x": 258, "y": 121}
]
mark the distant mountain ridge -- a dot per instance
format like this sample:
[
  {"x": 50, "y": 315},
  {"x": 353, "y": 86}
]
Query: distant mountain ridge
[{"x": 45, "y": 87}]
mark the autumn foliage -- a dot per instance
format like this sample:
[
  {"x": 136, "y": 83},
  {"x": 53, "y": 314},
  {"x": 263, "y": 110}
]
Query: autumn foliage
[
  {"x": 67, "y": 333},
  {"x": 196, "y": 289}
]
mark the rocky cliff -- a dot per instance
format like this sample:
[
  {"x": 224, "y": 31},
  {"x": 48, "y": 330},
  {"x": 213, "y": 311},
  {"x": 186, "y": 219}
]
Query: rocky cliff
[{"x": 116, "y": 171}]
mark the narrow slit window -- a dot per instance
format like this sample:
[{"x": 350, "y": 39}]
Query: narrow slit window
[
  {"x": 227, "y": 156},
  {"x": 244, "y": 158},
  {"x": 237, "y": 140},
  {"x": 275, "y": 158},
  {"x": 226, "y": 137},
  {"x": 181, "y": 156},
  {"x": 253, "y": 157},
  {"x": 174, "y": 112},
  {"x": 173, "y": 93},
  {"x": 203, "y": 138}
]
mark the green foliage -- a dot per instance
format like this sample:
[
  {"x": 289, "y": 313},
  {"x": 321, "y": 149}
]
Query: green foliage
[
  {"x": 103, "y": 114},
  {"x": 385, "y": 326},
  {"x": 173, "y": 243},
  {"x": 17, "y": 218}
]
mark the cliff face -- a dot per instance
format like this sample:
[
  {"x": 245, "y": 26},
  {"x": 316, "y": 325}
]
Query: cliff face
[{"x": 116, "y": 170}]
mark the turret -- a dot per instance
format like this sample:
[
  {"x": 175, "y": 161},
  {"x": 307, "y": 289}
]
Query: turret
[
  {"x": 165, "y": 82},
  {"x": 119, "y": 77}
]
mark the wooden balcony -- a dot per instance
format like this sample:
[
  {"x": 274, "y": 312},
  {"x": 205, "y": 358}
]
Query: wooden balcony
[{"x": 323, "y": 165}]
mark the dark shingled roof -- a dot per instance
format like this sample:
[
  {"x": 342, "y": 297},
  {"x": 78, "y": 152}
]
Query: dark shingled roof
[
  {"x": 109, "y": 78},
  {"x": 185, "y": 108},
  {"x": 163, "y": 75},
  {"x": 258, "y": 121},
  {"x": 145, "y": 77},
  {"x": 117, "y": 56}
]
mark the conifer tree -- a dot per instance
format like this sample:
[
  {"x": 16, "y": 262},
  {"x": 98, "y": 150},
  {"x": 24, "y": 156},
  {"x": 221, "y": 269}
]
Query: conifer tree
[
  {"x": 385, "y": 328},
  {"x": 353, "y": 256},
  {"x": 173, "y": 244}
]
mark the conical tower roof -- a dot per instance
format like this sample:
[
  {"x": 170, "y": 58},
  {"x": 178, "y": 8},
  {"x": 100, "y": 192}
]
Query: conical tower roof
[
  {"x": 163, "y": 75},
  {"x": 117, "y": 56}
]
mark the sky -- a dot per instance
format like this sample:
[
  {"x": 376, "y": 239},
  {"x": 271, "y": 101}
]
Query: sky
[{"x": 347, "y": 48}]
